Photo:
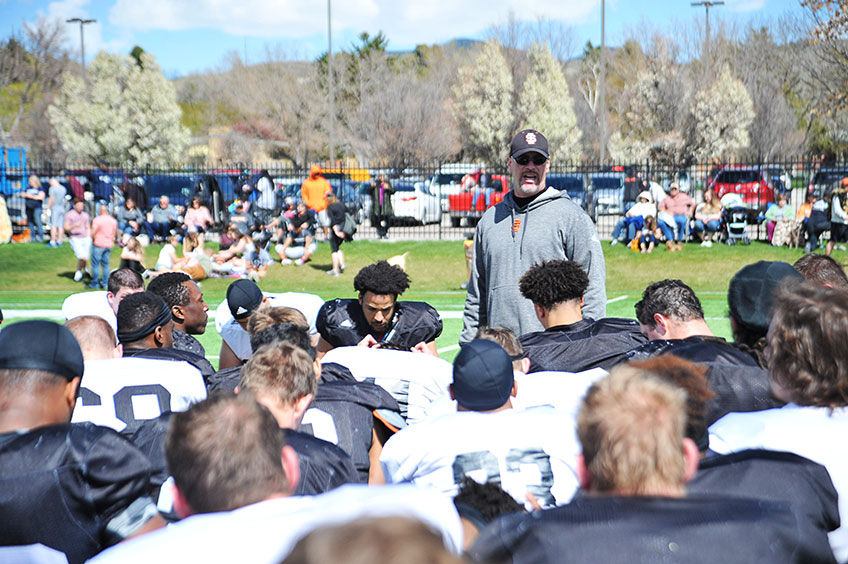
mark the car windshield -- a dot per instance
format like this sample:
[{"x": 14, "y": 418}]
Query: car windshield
[
  {"x": 738, "y": 176},
  {"x": 606, "y": 182},
  {"x": 449, "y": 178}
]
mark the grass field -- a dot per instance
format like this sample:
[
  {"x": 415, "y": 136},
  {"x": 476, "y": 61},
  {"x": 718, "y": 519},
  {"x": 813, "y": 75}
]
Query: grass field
[{"x": 36, "y": 277}]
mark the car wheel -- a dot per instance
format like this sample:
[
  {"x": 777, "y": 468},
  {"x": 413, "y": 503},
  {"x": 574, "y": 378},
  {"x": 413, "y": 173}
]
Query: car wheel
[{"x": 455, "y": 221}]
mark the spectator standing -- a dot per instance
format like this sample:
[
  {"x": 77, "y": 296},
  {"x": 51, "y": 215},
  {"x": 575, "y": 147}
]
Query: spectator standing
[
  {"x": 104, "y": 232},
  {"x": 381, "y": 205},
  {"x": 78, "y": 226},
  {"x": 266, "y": 199},
  {"x": 313, "y": 191},
  {"x": 675, "y": 210},
  {"x": 56, "y": 204},
  {"x": 163, "y": 217},
  {"x": 335, "y": 213},
  {"x": 534, "y": 222},
  {"x": 74, "y": 185},
  {"x": 34, "y": 196}
]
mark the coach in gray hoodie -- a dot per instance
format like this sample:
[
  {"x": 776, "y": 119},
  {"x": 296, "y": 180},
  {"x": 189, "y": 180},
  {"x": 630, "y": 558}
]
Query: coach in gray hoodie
[{"x": 533, "y": 223}]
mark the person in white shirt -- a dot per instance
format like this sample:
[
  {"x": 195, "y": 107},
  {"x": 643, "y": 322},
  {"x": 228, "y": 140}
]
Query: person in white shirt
[
  {"x": 531, "y": 452},
  {"x": 809, "y": 370},
  {"x": 121, "y": 283}
]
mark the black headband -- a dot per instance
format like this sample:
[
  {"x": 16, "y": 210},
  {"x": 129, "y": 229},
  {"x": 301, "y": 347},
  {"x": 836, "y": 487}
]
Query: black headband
[{"x": 161, "y": 318}]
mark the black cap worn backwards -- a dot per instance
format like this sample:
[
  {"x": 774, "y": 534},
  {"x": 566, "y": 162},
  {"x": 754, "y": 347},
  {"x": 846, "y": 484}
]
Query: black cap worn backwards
[
  {"x": 527, "y": 141},
  {"x": 482, "y": 376},
  {"x": 41, "y": 345},
  {"x": 243, "y": 298}
]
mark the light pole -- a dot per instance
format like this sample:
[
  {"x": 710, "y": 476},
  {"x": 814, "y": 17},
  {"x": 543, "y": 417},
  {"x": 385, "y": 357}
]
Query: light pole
[
  {"x": 707, "y": 5},
  {"x": 81, "y": 23},
  {"x": 603, "y": 109},
  {"x": 330, "y": 82}
]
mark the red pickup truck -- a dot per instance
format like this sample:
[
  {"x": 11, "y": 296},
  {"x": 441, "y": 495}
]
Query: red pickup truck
[{"x": 459, "y": 205}]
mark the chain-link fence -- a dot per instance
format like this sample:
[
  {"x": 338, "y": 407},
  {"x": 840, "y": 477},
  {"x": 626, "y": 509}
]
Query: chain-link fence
[{"x": 433, "y": 201}]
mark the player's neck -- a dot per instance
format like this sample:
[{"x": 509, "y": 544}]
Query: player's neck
[
  {"x": 565, "y": 313},
  {"x": 504, "y": 407},
  {"x": 28, "y": 413}
]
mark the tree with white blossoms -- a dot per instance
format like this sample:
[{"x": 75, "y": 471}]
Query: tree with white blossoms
[
  {"x": 484, "y": 104},
  {"x": 128, "y": 114},
  {"x": 546, "y": 99},
  {"x": 722, "y": 115}
]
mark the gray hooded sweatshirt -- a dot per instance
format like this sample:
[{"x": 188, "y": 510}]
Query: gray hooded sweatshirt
[{"x": 509, "y": 241}]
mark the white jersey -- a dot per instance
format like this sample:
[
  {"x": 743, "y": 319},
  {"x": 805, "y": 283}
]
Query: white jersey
[
  {"x": 239, "y": 340},
  {"x": 415, "y": 380},
  {"x": 90, "y": 303},
  {"x": 562, "y": 390},
  {"x": 812, "y": 432},
  {"x": 119, "y": 392},
  {"x": 265, "y": 532},
  {"x": 527, "y": 451}
]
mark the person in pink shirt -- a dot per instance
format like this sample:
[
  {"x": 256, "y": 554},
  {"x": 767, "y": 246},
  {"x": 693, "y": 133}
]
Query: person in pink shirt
[
  {"x": 675, "y": 210},
  {"x": 78, "y": 226},
  {"x": 197, "y": 216},
  {"x": 104, "y": 230}
]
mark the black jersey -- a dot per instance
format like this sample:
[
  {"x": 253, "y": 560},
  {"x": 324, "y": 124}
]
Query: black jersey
[
  {"x": 225, "y": 380},
  {"x": 165, "y": 353},
  {"x": 342, "y": 323},
  {"x": 342, "y": 413},
  {"x": 776, "y": 476},
  {"x": 323, "y": 465},
  {"x": 583, "y": 345},
  {"x": 655, "y": 530},
  {"x": 698, "y": 348},
  {"x": 185, "y": 342},
  {"x": 738, "y": 389},
  {"x": 149, "y": 438},
  {"x": 75, "y": 488}
]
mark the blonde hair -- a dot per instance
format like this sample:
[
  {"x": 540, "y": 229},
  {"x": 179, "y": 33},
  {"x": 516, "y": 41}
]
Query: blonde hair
[
  {"x": 282, "y": 371},
  {"x": 261, "y": 320},
  {"x": 631, "y": 426}
]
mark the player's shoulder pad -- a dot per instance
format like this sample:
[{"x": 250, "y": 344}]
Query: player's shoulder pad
[{"x": 366, "y": 394}]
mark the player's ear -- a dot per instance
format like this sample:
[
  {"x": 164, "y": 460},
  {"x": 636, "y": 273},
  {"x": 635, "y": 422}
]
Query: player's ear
[
  {"x": 540, "y": 312},
  {"x": 181, "y": 506},
  {"x": 450, "y": 391},
  {"x": 119, "y": 351},
  {"x": 177, "y": 312},
  {"x": 583, "y": 476},
  {"x": 525, "y": 365},
  {"x": 291, "y": 466},
  {"x": 69, "y": 394},
  {"x": 301, "y": 405},
  {"x": 661, "y": 323},
  {"x": 316, "y": 366},
  {"x": 158, "y": 336},
  {"x": 691, "y": 457}
]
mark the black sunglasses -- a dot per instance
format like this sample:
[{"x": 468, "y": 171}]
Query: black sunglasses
[{"x": 537, "y": 158}]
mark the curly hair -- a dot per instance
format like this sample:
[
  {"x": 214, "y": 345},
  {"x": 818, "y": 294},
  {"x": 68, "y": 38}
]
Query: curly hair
[
  {"x": 138, "y": 309},
  {"x": 169, "y": 287},
  {"x": 487, "y": 500},
  {"x": 822, "y": 269},
  {"x": 553, "y": 282},
  {"x": 806, "y": 340},
  {"x": 381, "y": 278},
  {"x": 671, "y": 298}
]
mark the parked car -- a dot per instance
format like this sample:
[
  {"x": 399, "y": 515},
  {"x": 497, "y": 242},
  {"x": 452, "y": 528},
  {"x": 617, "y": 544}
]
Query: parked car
[
  {"x": 412, "y": 202},
  {"x": 825, "y": 179},
  {"x": 607, "y": 189},
  {"x": 459, "y": 204},
  {"x": 573, "y": 183},
  {"x": 752, "y": 183},
  {"x": 447, "y": 181}
]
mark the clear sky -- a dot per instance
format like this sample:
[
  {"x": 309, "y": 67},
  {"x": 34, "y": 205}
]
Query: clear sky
[{"x": 195, "y": 35}]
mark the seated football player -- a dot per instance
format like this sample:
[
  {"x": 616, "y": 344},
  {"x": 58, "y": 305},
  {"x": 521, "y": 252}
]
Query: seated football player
[
  {"x": 185, "y": 298},
  {"x": 570, "y": 342},
  {"x": 243, "y": 299},
  {"x": 281, "y": 377},
  {"x": 121, "y": 283},
  {"x": 119, "y": 392},
  {"x": 486, "y": 439},
  {"x": 74, "y": 488},
  {"x": 145, "y": 329},
  {"x": 633, "y": 468},
  {"x": 233, "y": 480},
  {"x": 377, "y": 315}
]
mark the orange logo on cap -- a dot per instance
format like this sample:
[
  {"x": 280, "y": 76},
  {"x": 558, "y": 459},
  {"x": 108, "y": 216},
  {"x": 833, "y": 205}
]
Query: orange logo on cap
[
  {"x": 530, "y": 138},
  {"x": 516, "y": 225}
]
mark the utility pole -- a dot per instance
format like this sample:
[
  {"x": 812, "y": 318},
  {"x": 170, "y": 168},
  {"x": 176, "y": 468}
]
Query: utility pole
[
  {"x": 707, "y": 53},
  {"x": 602, "y": 118},
  {"x": 81, "y": 23},
  {"x": 330, "y": 83}
]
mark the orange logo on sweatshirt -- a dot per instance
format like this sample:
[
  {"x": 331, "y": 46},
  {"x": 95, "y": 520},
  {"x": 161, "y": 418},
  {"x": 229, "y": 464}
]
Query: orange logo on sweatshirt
[{"x": 516, "y": 225}]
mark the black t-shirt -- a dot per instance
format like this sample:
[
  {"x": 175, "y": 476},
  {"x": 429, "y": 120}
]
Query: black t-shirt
[
  {"x": 342, "y": 413},
  {"x": 655, "y": 530},
  {"x": 75, "y": 488},
  {"x": 583, "y": 345},
  {"x": 342, "y": 323}
]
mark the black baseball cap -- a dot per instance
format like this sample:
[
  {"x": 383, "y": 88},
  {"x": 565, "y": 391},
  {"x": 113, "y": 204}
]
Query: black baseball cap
[
  {"x": 41, "y": 345},
  {"x": 750, "y": 295},
  {"x": 243, "y": 297},
  {"x": 526, "y": 141},
  {"x": 482, "y": 376}
]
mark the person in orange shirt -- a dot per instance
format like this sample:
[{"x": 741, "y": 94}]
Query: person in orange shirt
[
  {"x": 104, "y": 231},
  {"x": 312, "y": 192}
]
